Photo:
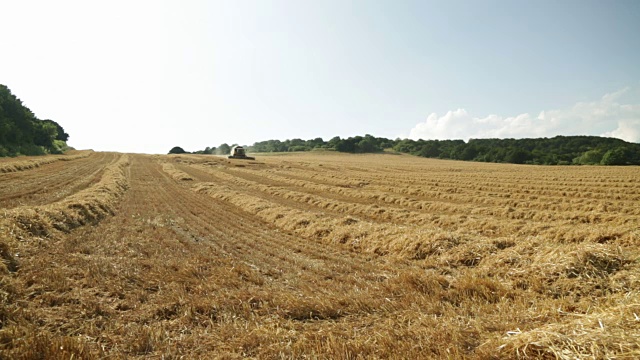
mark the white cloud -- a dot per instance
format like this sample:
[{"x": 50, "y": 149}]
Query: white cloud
[
  {"x": 628, "y": 130},
  {"x": 605, "y": 117}
]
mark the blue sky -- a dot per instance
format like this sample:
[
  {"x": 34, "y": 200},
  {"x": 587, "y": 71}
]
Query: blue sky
[{"x": 144, "y": 76}]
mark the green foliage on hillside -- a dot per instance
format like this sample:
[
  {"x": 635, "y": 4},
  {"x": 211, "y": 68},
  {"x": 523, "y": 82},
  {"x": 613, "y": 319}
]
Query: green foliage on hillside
[
  {"x": 287, "y": 145},
  {"x": 559, "y": 150},
  {"x": 22, "y": 133},
  {"x": 357, "y": 144},
  {"x": 223, "y": 149}
]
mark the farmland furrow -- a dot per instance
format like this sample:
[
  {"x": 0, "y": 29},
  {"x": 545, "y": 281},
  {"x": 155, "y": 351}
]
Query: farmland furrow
[
  {"x": 481, "y": 190},
  {"x": 440, "y": 174},
  {"x": 488, "y": 220},
  {"x": 33, "y": 162},
  {"x": 562, "y": 189},
  {"x": 274, "y": 248},
  {"x": 204, "y": 174},
  {"x": 316, "y": 256},
  {"x": 52, "y": 182},
  {"x": 420, "y": 219}
]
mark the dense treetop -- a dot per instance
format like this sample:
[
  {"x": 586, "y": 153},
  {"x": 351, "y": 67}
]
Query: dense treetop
[
  {"x": 22, "y": 133},
  {"x": 177, "y": 150}
]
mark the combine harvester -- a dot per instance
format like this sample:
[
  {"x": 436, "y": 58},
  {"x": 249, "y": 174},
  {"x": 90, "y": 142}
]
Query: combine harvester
[{"x": 237, "y": 152}]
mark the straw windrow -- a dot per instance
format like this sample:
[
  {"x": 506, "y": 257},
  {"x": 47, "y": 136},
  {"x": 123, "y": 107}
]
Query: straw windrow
[
  {"x": 325, "y": 256},
  {"x": 35, "y": 162}
]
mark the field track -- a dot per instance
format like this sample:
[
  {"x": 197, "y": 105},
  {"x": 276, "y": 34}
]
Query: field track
[{"x": 317, "y": 256}]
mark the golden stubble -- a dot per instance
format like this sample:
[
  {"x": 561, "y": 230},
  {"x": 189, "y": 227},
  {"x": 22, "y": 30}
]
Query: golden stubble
[{"x": 323, "y": 256}]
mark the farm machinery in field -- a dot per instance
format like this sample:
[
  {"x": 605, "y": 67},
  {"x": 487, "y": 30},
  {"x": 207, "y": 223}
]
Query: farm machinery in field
[{"x": 238, "y": 152}]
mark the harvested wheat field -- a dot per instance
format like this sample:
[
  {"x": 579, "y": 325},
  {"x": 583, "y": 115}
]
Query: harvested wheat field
[{"x": 316, "y": 255}]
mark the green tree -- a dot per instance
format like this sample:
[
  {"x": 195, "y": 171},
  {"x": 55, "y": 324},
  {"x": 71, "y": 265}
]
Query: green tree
[
  {"x": 405, "y": 146},
  {"x": 315, "y": 143},
  {"x": 469, "y": 152},
  {"x": 591, "y": 157},
  {"x": 367, "y": 145},
  {"x": 61, "y": 134},
  {"x": 334, "y": 142},
  {"x": 45, "y": 133},
  {"x": 617, "y": 156},
  {"x": 223, "y": 149},
  {"x": 177, "y": 150},
  {"x": 350, "y": 145},
  {"x": 518, "y": 156},
  {"x": 21, "y": 132}
]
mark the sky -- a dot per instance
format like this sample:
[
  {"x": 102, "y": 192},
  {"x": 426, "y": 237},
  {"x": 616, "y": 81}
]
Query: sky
[{"x": 145, "y": 76}]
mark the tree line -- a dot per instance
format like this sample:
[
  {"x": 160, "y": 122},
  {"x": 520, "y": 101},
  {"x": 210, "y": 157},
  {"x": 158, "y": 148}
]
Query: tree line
[
  {"x": 356, "y": 144},
  {"x": 22, "y": 133},
  {"x": 558, "y": 150},
  {"x": 223, "y": 149}
]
